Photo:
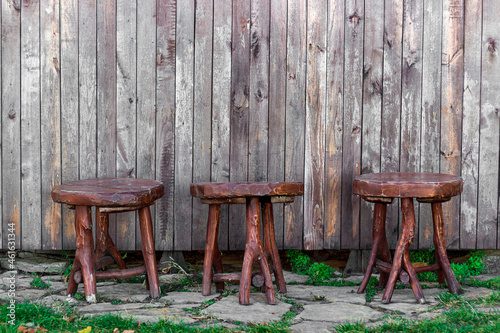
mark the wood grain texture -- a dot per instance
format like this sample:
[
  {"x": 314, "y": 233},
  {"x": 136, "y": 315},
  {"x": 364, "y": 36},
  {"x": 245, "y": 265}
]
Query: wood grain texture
[
  {"x": 50, "y": 122},
  {"x": 353, "y": 85},
  {"x": 126, "y": 115},
  {"x": 146, "y": 97},
  {"x": 221, "y": 105},
  {"x": 240, "y": 103},
  {"x": 11, "y": 121},
  {"x": 391, "y": 104},
  {"x": 31, "y": 224},
  {"x": 489, "y": 130},
  {"x": 372, "y": 107},
  {"x": 451, "y": 108},
  {"x": 184, "y": 94},
  {"x": 202, "y": 130},
  {"x": 334, "y": 125},
  {"x": 315, "y": 125},
  {"x": 470, "y": 123},
  {"x": 295, "y": 117},
  {"x": 431, "y": 107},
  {"x": 165, "y": 120},
  {"x": 277, "y": 105},
  {"x": 70, "y": 135}
]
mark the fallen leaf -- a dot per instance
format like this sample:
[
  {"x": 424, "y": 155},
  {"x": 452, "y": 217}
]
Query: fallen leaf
[{"x": 22, "y": 329}]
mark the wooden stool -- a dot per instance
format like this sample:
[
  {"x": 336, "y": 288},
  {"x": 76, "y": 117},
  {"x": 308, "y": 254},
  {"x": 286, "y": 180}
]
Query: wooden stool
[
  {"x": 109, "y": 195},
  {"x": 250, "y": 194},
  {"x": 382, "y": 188}
]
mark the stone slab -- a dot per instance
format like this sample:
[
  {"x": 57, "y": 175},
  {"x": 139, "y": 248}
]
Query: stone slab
[
  {"x": 339, "y": 312},
  {"x": 312, "y": 326},
  {"x": 325, "y": 293},
  {"x": 294, "y": 277},
  {"x": 38, "y": 265},
  {"x": 186, "y": 298},
  {"x": 125, "y": 292},
  {"x": 257, "y": 312},
  {"x": 108, "y": 307}
]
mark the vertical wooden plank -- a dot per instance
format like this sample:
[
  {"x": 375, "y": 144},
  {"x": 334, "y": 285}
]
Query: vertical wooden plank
[
  {"x": 411, "y": 92},
  {"x": 489, "y": 129},
  {"x": 203, "y": 115},
  {"x": 391, "y": 104},
  {"x": 353, "y": 85},
  {"x": 451, "y": 109},
  {"x": 221, "y": 105},
  {"x": 184, "y": 94},
  {"x": 31, "y": 223},
  {"x": 106, "y": 94},
  {"x": 146, "y": 94},
  {"x": 259, "y": 91},
  {"x": 431, "y": 108},
  {"x": 295, "y": 117},
  {"x": 11, "y": 120},
  {"x": 317, "y": 20},
  {"x": 126, "y": 117},
  {"x": 470, "y": 123},
  {"x": 240, "y": 74},
  {"x": 277, "y": 105},
  {"x": 334, "y": 122},
  {"x": 69, "y": 110},
  {"x": 372, "y": 107},
  {"x": 50, "y": 122},
  {"x": 165, "y": 120}
]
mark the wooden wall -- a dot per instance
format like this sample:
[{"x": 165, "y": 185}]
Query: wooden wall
[{"x": 263, "y": 90}]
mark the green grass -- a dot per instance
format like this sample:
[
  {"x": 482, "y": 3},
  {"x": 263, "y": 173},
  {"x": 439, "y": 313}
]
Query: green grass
[{"x": 38, "y": 283}]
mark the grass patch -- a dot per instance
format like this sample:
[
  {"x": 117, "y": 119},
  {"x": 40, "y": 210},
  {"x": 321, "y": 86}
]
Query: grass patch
[{"x": 37, "y": 283}]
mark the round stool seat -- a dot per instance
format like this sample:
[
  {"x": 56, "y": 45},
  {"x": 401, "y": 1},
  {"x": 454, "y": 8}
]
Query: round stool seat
[
  {"x": 419, "y": 185},
  {"x": 245, "y": 189},
  {"x": 109, "y": 192}
]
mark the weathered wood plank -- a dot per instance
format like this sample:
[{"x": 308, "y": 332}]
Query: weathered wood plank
[
  {"x": 353, "y": 85},
  {"x": 258, "y": 118},
  {"x": 315, "y": 124},
  {"x": 69, "y": 110},
  {"x": 50, "y": 122},
  {"x": 106, "y": 94},
  {"x": 31, "y": 223},
  {"x": 489, "y": 129},
  {"x": 391, "y": 105},
  {"x": 470, "y": 123},
  {"x": 221, "y": 106},
  {"x": 240, "y": 73},
  {"x": 11, "y": 121},
  {"x": 277, "y": 106},
  {"x": 126, "y": 115},
  {"x": 184, "y": 94},
  {"x": 295, "y": 118},
  {"x": 146, "y": 98},
  {"x": 431, "y": 108},
  {"x": 372, "y": 108},
  {"x": 165, "y": 120},
  {"x": 202, "y": 135},
  {"x": 334, "y": 122},
  {"x": 451, "y": 109},
  {"x": 411, "y": 92}
]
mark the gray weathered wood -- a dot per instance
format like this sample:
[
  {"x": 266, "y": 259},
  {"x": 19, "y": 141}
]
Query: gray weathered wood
[
  {"x": 202, "y": 114},
  {"x": 353, "y": 86},
  {"x": 317, "y": 19},
  {"x": 470, "y": 123},
  {"x": 184, "y": 94},
  {"x": 489, "y": 129},
  {"x": 431, "y": 108},
  {"x": 50, "y": 122},
  {"x": 31, "y": 223},
  {"x": 295, "y": 118}
]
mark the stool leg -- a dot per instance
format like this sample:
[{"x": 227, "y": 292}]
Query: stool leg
[
  {"x": 148, "y": 251},
  {"x": 210, "y": 248},
  {"x": 253, "y": 249},
  {"x": 415, "y": 285},
  {"x": 439, "y": 244},
  {"x": 270, "y": 244},
  {"x": 104, "y": 241},
  {"x": 385, "y": 255},
  {"x": 404, "y": 241},
  {"x": 219, "y": 286},
  {"x": 72, "y": 285},
  {"x": 85, "y": 251},
  {"x": 378, "y": 231}
]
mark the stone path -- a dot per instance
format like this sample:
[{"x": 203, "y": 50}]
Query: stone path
[{"x": 318, "y": 308}]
